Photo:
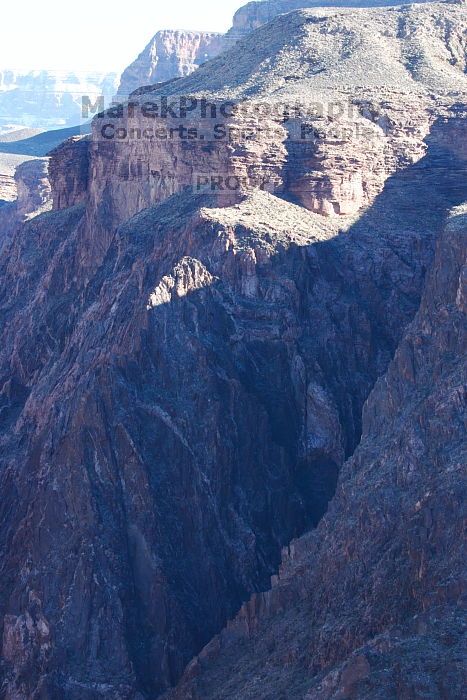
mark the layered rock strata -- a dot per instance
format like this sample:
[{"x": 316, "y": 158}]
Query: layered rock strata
[
  {"x": 170, "y": 54},
  {"x": 295, "y": 122}
]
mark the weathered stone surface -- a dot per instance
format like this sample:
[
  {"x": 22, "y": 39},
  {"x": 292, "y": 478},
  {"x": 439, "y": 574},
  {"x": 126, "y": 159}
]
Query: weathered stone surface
[
  {"x": 175, "y": 54},
  {"x": 32, "y": 196},
  {"x": 8, "y": 185},
  {"x": 69, "y": 172},
  {"x": 254, "y": 14},
  {"x": 170, "y": 54},
  {"x": 369, "y": 605},
  {"x": 7, "y": 182},
  {"x": 355, "y": 136},
  {"x": 33, "y": 188},
  {"x": 182, "y": 378},
  {"x": 279, "y": 325}
]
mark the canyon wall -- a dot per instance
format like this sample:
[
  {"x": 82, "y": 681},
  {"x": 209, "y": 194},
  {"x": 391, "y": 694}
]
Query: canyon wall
[
  {"x": 183, "y": 373},
  {"x": 162, "y": 521},
  {"x": 170, "y": 54},
  {"x": 33, "y": 196},
  {"x": 69, "y": 172},
  {"x": 33, "y": 188},
  {"x": 324, "y": 141},
  {"x": 175, "y": 53},
  {"x": 370, "y": 605},
  {"x": 337, "y": 168}
]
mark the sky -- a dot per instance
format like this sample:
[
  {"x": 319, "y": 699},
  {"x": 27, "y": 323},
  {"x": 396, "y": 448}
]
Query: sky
[{"x": 95, "y": 35}]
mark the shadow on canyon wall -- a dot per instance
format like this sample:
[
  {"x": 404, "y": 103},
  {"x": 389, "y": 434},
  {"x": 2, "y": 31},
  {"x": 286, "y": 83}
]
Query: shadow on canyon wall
[
  {"x": 186, "y": 445},
  {"x": 274, "y": 470}
]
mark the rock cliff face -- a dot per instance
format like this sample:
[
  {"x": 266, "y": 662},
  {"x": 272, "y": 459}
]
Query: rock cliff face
[
  {"x": 32, "y": 196},
  {"x": 369, "y": 604},
  {"x": 33, "y": 188},
  {"x": 69, "y": 172},
  {"x": 170, "y": 54},
  {"x": 9, "y": 164},
  {"x": 7, "y": 181},
  {"x": 174, "y": 54},
  {"x": 335, "y": 157},
  {"x": 183, "y": 374}
]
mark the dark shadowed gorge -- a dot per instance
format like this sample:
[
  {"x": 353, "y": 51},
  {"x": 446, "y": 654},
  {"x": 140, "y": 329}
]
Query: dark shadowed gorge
[{"x": 232, "y": 422}]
